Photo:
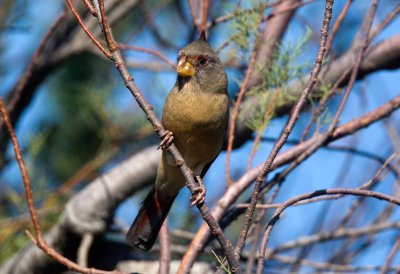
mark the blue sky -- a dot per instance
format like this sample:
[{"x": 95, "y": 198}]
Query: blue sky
[{"x": 320, "y": 171}]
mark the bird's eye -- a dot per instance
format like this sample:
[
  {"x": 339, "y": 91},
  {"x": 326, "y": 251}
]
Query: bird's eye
[{"x": 203, "y": 61}]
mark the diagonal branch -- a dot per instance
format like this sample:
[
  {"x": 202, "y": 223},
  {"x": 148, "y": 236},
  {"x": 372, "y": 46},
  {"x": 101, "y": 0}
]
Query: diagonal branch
[
  {"x": 288, "y": 128},
  {"x": 39, "y": 239},
  {"x": 150, "y": 115},
  {"x": 61, "y": 42},
  {"x": 334, "y": 191},
  {"x": 87, "y": 31},
  {"x": 237, "y": 188}
]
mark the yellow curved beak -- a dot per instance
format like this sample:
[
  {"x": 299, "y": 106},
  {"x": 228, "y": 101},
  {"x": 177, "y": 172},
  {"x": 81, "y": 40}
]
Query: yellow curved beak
[{"x": 185, "y": 68}]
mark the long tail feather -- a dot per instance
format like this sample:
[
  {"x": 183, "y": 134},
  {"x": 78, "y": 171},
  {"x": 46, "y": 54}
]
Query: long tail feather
[{"x": 144, "y": 229}]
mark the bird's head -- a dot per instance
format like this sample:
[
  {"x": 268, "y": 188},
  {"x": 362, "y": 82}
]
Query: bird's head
[{"x": 199, "y": 65}]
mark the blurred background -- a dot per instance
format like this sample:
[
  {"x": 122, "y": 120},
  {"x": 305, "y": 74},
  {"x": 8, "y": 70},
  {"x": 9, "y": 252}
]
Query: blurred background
[{"x": 76, "y": 122}]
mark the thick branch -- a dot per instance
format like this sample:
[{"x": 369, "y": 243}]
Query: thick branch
[
  {"x": 237, "y": 188},
  {"x": 384, "y": 55},
  {"x": 91, "y": 210}
]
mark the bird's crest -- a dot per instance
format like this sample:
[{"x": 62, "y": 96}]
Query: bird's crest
[{"x": 203, "y": 36}]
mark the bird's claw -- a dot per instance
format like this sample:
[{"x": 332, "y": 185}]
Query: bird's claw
[
  {"x": 199, "y": 194},
  {"x": 166, "y": 140}
]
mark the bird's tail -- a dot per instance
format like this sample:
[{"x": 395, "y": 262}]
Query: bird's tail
[{"x": 144, "y": 230}]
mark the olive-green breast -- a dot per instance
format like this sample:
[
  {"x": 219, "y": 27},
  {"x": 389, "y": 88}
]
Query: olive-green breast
[{"x": 198, "y": 121}]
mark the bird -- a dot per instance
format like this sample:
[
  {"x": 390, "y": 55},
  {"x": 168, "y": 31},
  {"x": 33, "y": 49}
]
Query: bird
[{"x": 195, "y": 116}]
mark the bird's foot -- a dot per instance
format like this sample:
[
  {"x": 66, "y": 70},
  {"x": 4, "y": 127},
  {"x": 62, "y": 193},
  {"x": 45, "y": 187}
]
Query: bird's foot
[
  {"x": 199, "y": 194},
  {"x": 166, "y": 140}
]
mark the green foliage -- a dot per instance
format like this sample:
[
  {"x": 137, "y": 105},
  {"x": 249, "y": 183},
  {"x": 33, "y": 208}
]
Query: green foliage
[
  {"x": 82, "y": 125},
  {"x": 274, "y": 89},
  {"x": 245, "y": 26},
  {"x": 324, "y": 116},
  {"x": 11, "y": 244},
  {"x": 77, "y": 127},
  {"x": 81, "y": 122},
  {"x": 222, "y": 263},
  {"x": 12, "y": 228}
]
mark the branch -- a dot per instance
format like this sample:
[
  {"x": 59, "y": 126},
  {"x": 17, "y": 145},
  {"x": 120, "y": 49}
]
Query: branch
[
  {"x": 237, "y": 188},
  {"x": 335, "y": 268},
  {"x": 278, "y": 212},
  {"x": 333, "y": 124},
  {"x": 235, "y": 112},
  {"x": 288, "y": 128},
  {"x": 274, "y": 30},
  {"x": 155, "y": 53},
  {"x": 165, "y": 252},
  {"x": 150, "y": 115},
  {"x": 62, "y": 41},
  {"x": 271, "y": 35},
  {"x": 390, "y": 257},
  {"x": 89, "y": 211},
  {"x": 87, "y": 31},
  {"x": 39, "y": 239},
  {"x": 384, "y": 55}
]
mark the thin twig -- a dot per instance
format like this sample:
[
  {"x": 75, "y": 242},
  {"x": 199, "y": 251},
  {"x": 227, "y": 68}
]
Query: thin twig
[
  {"x": 241, "y": 185},
  {"x": 332, "y": 268},
  {"x": 389, "y": 259},
  {"x": 392, "y": 133},
  {"x": 227, "y": 42},
  {"x": 371, "y": 36},
  {"x": 90, "y": 7},
  {"x": 333, "y": 235},
  {"x": 84, "y": 248},
  {"x": 288, "y": 128},
  {"x": 367, "y": 185},
  {"x": 205, "y": 5},
  {"x": 365, "y": 32},
  {"x": 323, "y": 102},
  {"x": 289, "y": 8},
  {"x": 105, "y": 27},
  {"x": 349, "y": 215},
  {"x": 194, "y": 12},
  {"x": 39, "y": 239},
  {"x": 267, "y": 113},
  {"x": 24, "y": 172},
  {"x": 155, "y": 53},
  {"x": 334, "y": 191},
  {"x": 372, "y": 182},
  {"x": 263, "y": 5},
  {"x": 235, "y": 112},
  {"x": 255, "y": 230},
  {"x": 165, "y": 249},
  {"x": 258, "y": 229},
  {"x": 87, "y": 31},
  {"x": 389, "y": 18},
  {"x": 22, "y": 82},
  {"x": 336, "y": 26},
  {"x": 150, "y": 115}
]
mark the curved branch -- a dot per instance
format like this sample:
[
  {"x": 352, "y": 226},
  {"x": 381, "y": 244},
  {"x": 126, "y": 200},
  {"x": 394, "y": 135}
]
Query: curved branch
[
  {"x": 237, "y": 188},
  {"x": 159, "y": 129},
  {"x": 384, "y": 55},
  {"x": 63, "y": 41},
  {"x": 90, "y": 210},
  {"x": 275, "y": 218}
]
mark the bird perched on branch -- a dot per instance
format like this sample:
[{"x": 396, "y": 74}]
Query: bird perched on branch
[{"x": 195, "y": 116}]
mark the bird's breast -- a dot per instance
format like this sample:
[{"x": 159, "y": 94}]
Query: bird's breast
[
  {"x": 199, "y": 122},
  {"x": 195, "y": 111}
]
